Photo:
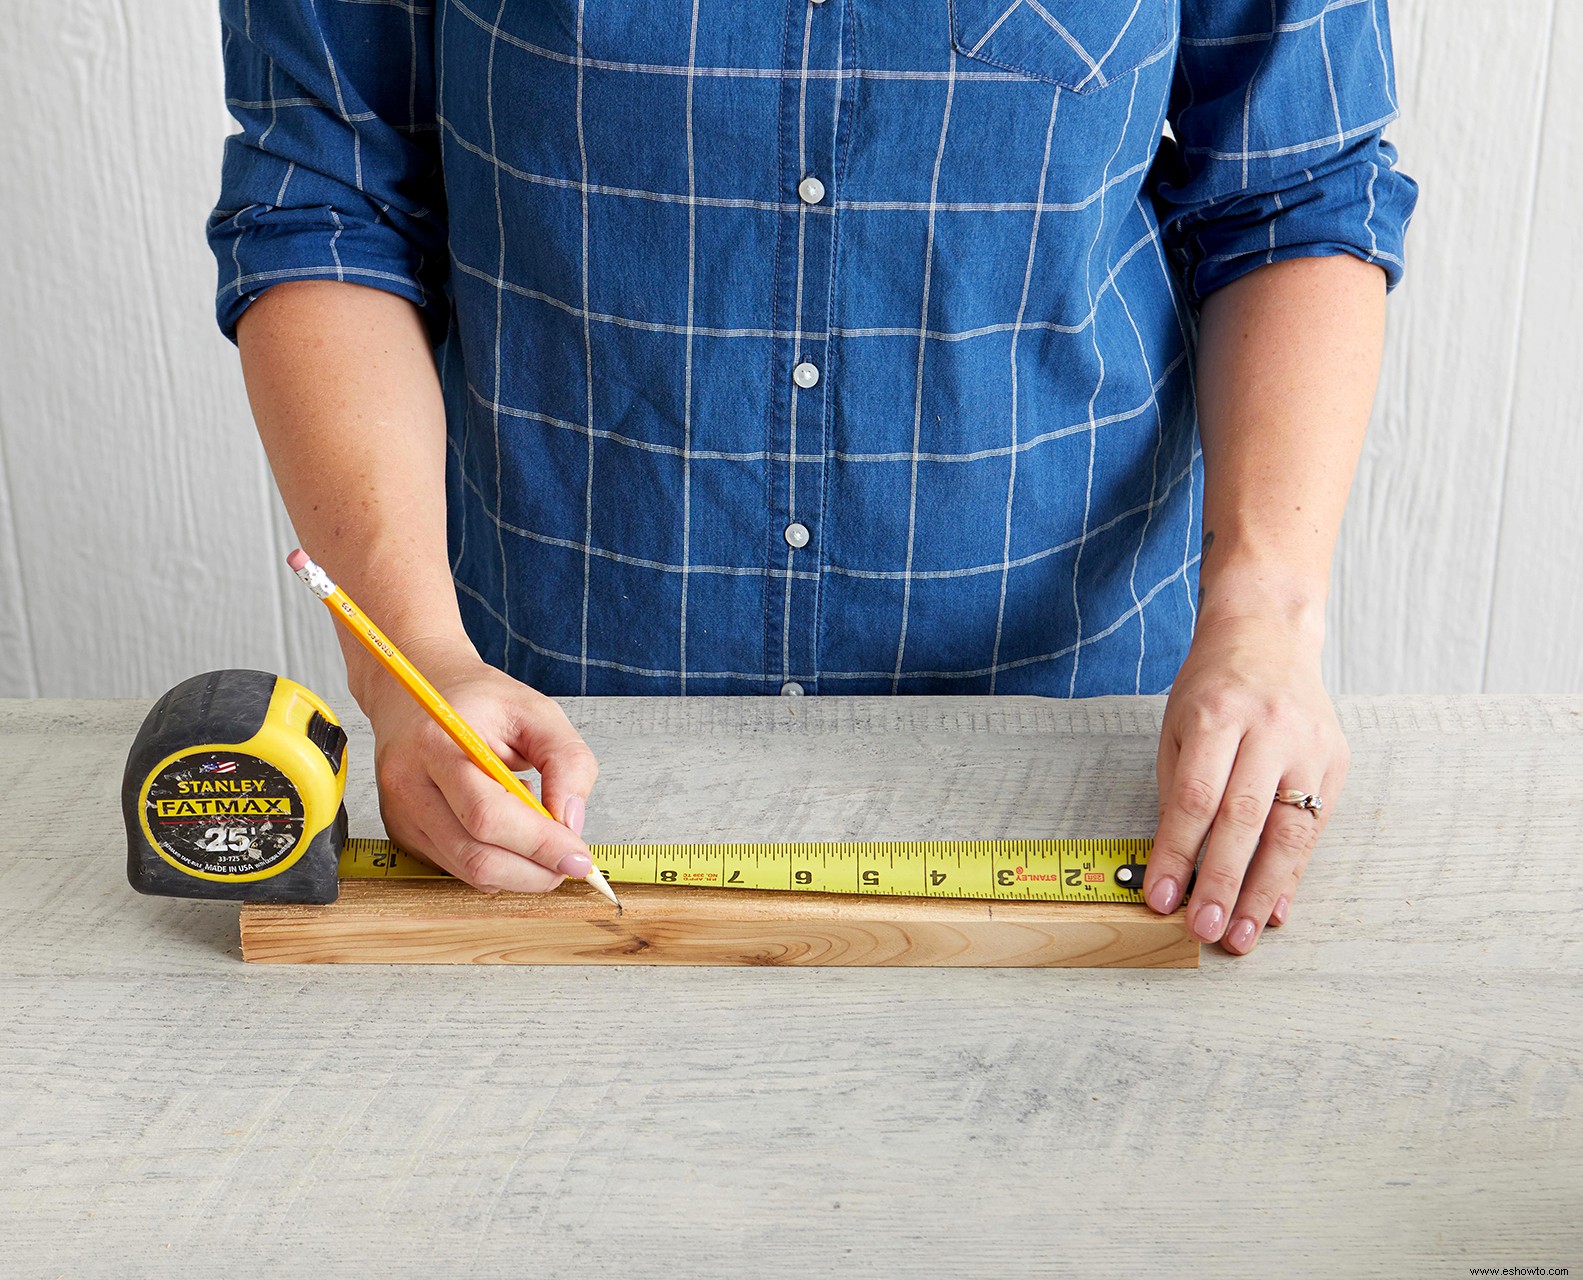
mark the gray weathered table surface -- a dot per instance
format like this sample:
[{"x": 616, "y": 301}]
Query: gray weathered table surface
[{"x": 1390, "y": 1085}]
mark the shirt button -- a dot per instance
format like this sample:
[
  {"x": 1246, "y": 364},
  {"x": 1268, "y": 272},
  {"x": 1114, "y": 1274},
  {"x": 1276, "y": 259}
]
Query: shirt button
[
  {"x": 797, "y": 534},
  {"x": 791, "y": 688},
  {"x": 811, "y": 190},
  {"x": 818, "y": 1},
  {"x": 806, "y": 375}
]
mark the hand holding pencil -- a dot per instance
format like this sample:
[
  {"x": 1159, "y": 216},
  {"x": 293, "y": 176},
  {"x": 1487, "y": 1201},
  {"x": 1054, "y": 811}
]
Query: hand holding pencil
[{"x": 469, "y": 827}]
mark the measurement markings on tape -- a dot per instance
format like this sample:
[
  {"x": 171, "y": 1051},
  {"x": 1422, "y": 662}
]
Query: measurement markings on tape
[{"x": 1008, "y": 870}]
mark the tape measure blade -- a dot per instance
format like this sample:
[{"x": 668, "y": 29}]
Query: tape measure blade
[
  {"x": 992, "y": 870},
  {"x": 381, "y": 859}
]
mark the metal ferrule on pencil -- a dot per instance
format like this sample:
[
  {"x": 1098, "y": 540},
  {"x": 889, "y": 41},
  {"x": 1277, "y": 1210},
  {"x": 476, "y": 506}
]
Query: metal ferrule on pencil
[{"x": 317, "y": 579}]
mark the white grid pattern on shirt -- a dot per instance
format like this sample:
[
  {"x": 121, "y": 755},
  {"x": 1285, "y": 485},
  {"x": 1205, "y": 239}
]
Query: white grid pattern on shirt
[
  {"x": 917, "y": 409},
  {"x": 1154, "y": 479},
  {"x": 1016, "y": 334},
  {"x": 588, "y": 365},
  {"x": 840, "y": 571},
  {"x": 1385, "y": 63},
  {"x": 826, "y": 209},
  {"x": 1154, "y": 463},
  {"x": 1093, "y": 434},
  {"x": 500, "y": 302},
  {"x": 1126, "y": 26},
  {"x": 1277, "y": 28},
  {"x": 738, "y": 73},
  {"x": 1067, "y": 38},
  {"x": 687, "y": 393},
  {"x": 842, "y": 455},
  {"x": 757, "y": 677},
  {"x": 1330, "y": 81},
  {"x": 1192, "y": 384},
  {"x": 411, "y": 10},
  {"x": 1296, "y": 148},
  {"x": 995, "y": 26},
  {"x": 800, "y": 336},
  {"x": 462, "y": 446},
  {"x": 340, "y": 107},
  {"x": 794, "y": 392}
]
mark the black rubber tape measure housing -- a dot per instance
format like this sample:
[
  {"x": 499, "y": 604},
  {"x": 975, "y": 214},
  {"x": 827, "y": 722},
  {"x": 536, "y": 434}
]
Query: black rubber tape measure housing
[{"x": 232, "y": 791}]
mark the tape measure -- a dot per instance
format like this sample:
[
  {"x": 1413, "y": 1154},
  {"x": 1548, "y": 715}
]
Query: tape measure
[
  {"x": 233, "y": 790},
  {"x": 234, "y": 785},
  {"x": 1008, "y": 870}
]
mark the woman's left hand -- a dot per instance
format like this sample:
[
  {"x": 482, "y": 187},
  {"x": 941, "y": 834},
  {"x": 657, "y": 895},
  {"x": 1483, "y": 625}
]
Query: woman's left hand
[{"x": 1247, "y": 716}]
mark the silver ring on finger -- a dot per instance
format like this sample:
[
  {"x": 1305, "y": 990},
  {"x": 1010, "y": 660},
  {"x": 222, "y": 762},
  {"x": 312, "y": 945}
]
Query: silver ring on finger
[{"x": 1302, "y": 799}]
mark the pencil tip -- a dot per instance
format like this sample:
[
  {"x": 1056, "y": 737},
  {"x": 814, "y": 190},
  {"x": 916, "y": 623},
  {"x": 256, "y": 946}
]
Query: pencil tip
[{"x": 599, "y": 882}]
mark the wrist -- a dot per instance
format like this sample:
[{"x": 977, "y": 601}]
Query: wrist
[
  {"x": 1240, "y": 583},
  {"x": 436, "y": 653}
]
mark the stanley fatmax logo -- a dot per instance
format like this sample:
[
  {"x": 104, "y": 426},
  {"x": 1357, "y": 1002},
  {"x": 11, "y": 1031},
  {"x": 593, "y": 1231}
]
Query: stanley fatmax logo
[
  {"x": 223, "y": 798},
  {"x": 226, "y": 807}
]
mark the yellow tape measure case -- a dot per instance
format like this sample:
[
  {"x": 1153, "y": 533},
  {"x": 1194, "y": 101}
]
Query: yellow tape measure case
[{"x": 233, "y": 790}]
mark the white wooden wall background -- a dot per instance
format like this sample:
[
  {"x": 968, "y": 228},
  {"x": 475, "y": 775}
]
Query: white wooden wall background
[{"x": 141, "y": 542}]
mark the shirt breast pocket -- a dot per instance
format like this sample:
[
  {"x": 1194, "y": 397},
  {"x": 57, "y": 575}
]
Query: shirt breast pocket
[{"x": 1081, "y": 45}]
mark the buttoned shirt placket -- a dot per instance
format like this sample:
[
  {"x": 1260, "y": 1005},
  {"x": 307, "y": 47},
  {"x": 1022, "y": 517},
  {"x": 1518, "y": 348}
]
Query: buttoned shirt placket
[{"x": 812, "y": 89}]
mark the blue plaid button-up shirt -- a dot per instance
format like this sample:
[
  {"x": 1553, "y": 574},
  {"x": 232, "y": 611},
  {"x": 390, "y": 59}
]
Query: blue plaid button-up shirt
[{"x": 841, "y": 344}]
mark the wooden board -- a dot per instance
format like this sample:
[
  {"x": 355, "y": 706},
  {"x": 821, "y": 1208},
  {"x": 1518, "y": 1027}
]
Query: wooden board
[{"x": 446, "y": 922}]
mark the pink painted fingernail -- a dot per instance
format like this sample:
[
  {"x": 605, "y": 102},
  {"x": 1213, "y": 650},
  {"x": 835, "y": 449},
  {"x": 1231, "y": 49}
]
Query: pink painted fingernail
[
  {"x": 1206, "y": 924},
  {"x": 1165, "y": 895},
  {"x": 1278, "y": 916},
  {"x": 575, "y": 812},
  {"x": 1240, "y": 935},
  {"x": 575, "y": 865}
]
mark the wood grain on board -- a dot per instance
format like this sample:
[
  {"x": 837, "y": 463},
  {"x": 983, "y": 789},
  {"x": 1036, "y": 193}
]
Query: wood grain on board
[{"x": 444, "y": 922}]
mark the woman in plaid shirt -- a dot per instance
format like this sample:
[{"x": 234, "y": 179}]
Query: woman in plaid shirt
[{"x": 993, "y": 346}]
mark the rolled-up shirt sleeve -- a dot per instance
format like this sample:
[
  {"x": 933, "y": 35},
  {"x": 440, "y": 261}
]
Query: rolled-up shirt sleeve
[
  {"x": 1276, "y": 148},
  {"x": 334, "y": 173}
]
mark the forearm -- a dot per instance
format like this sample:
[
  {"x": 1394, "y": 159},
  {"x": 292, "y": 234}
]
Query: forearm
[
  {"x": 347, "y": 400},
  {"x": 1288, "y": 361}
]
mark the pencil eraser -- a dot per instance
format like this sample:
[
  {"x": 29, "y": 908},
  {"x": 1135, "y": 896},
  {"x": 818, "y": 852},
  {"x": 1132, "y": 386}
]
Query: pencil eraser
[{"x": 297, "y": 559}]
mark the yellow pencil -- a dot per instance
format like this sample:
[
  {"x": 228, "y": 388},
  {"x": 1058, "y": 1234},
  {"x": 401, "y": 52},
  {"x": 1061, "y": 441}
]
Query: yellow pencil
[{"x": 411, "y": 679}]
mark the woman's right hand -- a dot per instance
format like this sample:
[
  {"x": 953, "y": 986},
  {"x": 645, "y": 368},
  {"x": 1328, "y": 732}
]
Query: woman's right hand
[
  {"x": 437, "y": 803},
  {"x": 348, "y": 403}
]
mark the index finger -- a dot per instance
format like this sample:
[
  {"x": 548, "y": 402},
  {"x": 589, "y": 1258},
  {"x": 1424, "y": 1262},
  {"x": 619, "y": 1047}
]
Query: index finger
[{"x": 1192, "y": 780}]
